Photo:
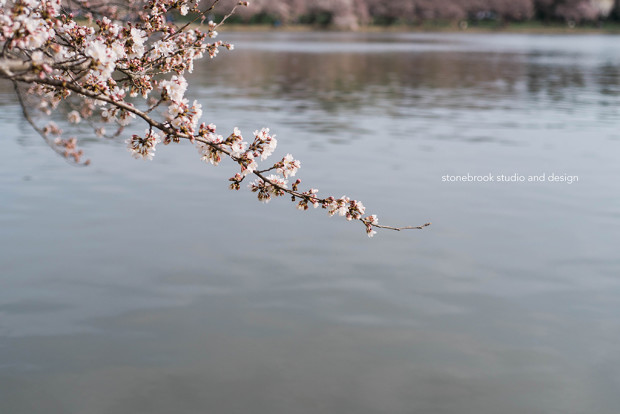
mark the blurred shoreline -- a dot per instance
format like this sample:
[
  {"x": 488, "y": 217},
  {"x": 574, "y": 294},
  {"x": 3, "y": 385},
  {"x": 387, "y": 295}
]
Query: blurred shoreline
[{"x": 522, "y": 28}]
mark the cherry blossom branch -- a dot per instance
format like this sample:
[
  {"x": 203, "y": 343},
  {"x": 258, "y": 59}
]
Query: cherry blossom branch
[
  {"x": 275, "y": 184},
  {"x": 63, "y": 61}
]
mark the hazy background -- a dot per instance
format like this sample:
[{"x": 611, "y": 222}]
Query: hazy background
[{"x": 353, "y": 13}]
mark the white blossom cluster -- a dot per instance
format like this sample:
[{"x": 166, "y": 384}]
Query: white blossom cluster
[
  {"x": 273, "y": 185},
  {"x": 144, "y": 147}
]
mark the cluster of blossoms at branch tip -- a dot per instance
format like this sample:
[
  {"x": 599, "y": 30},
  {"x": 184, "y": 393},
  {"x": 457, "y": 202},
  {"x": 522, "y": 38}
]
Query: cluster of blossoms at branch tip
[
  {"x": 370, "y": 221},
  {"x": 264, "y": 144},
  {"x": 288, "y": 166},
  {"x": 133, "y": 50},
  {"x": 209, "y": 145},
  {"x": 143, "y": 147}
]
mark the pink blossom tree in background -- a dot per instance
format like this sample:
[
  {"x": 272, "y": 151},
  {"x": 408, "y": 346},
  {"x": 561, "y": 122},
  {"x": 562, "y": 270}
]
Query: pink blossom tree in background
[
  {"x": 350, "y": 14},
  {"x": 126, "y": 63},
  {"x": 583, "y": 10}
]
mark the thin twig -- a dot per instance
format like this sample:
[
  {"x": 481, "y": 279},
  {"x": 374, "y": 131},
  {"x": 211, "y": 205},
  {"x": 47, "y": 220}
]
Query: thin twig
[{"x": 40, "y": 131}]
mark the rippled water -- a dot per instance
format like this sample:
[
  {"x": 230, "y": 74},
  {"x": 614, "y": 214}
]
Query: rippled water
[{"x": 132, "y": 287}]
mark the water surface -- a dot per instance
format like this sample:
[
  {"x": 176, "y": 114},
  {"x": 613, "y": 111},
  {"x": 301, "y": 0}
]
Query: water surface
[{"x": 134, "y": 287}]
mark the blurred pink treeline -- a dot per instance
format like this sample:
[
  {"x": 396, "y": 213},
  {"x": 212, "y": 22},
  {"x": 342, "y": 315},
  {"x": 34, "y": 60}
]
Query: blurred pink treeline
[{"x": 350, "y": 14}]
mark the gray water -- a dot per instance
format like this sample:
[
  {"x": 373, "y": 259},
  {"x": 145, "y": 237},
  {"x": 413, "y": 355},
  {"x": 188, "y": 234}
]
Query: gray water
[{"x": 148, "y": 287}]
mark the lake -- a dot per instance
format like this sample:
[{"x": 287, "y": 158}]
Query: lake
[{"x": 149, "y": 287}]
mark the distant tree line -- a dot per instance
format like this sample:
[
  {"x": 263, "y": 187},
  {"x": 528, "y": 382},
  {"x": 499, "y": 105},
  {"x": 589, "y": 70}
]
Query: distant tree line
[{"x": 352, "y": 13}]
